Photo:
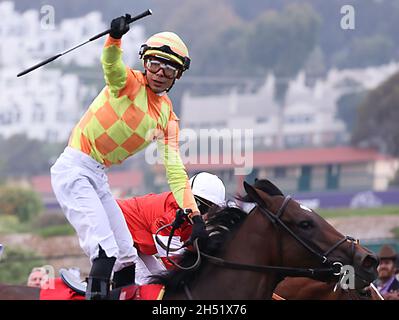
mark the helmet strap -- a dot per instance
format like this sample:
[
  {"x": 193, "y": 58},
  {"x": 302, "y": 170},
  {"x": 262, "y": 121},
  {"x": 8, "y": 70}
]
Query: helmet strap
[{"x": 173, "y": 83}]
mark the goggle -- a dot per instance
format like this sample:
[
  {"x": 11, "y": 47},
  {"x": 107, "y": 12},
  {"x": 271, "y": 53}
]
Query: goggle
[
  {"x": 169, "y": 71},
  {"x": 203, "y": 205}
]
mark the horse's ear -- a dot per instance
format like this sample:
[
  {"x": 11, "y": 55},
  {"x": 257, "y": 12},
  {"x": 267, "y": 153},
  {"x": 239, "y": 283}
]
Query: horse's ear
[
  {"x": 268, "y": 187},
  {"x": 254, "y": 195}
]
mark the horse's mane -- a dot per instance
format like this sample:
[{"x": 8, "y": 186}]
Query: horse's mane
[{"x": 220, "y": 224}]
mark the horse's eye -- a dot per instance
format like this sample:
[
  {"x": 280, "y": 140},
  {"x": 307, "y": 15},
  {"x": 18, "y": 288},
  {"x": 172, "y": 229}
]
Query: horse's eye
[{"x": 306, "y": 224}]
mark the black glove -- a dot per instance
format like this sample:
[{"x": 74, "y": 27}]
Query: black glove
[
  {"x": 119, "y": 26},
  {"x": 180, "y": 218},
  {"x": 198, "y": 232}
]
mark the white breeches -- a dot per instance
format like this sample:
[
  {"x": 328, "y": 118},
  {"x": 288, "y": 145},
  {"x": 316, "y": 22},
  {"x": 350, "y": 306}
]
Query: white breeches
[
  {"x": 147, "y": 266},
  {"x": 82, "y": 190}
]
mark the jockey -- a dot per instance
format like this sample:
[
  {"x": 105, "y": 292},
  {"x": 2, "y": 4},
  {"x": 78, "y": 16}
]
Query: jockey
[
  {"x": 146, "y": 214},
  {"x": 130, "y": 112}
]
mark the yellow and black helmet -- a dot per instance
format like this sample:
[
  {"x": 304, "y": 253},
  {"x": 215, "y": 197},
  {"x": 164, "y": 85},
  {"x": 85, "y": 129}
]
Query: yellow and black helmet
[{"x": 169, "y": 46}]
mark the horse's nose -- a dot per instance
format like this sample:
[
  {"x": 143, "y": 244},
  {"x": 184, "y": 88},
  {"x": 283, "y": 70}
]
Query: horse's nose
[
  {"x": 370, "y": 262},
  {"x": 366, "y": 261}
]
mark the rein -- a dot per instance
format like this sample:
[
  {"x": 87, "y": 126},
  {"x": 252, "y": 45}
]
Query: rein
[
  {"x": 286, "y": 271},
  {"x": 168, "y": 249}
]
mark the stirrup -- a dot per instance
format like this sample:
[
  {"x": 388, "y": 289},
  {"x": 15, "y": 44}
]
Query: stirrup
[
  {"x": 97, "y": 295},
  {"x": 124, "y": 277}
]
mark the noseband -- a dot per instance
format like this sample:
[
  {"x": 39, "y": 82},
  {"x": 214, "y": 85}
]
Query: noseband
[{"x": 276, "y": 220}]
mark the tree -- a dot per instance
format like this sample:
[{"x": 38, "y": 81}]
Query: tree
[
  {"x": 226, "y": 54},
  {"x": 281, "y": 42},
  {"x": 378, "y": 117},
  {"x": 16, "y": 265},
  {"x": 315, "y": 65},
  {"x": 23, "y": 157},
  {"x": 372, "y": 18},
  {"x": 200, "y": 24},
  {"x": 23, "y": 203},
  {"x": 365, "y": 51},
  {"x": 347, "y": 108}
]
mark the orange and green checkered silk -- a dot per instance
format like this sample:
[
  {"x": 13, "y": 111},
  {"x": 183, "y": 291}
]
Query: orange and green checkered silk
[{"x": 126, "y": 117}]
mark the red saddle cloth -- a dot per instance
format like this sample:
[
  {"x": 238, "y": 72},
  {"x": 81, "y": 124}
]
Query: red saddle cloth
[
  {"x": 60, "y": 291},
  {"x": 145, "y": 292}
]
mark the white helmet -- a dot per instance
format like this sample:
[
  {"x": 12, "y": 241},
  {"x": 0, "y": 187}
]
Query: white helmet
[{"x": 209, "y": 187}]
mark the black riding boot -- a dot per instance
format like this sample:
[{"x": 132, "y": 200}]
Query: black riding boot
[
  {"x": 124, "y": 277},
  {"x": 99, "y": 277}
]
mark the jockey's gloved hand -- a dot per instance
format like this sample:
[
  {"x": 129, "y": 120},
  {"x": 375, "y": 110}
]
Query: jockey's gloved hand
[
  {"x": 180, "y": 218},
  {"x": 199, "y": 231},
  {"x": 119, "y": 26}
]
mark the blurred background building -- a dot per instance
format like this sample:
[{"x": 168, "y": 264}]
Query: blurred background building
[
  {"x": 321, "y": 101},
  {"x": 301, "y": 94}
]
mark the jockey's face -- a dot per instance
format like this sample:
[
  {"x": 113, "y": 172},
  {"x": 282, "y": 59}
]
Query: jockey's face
[{"x": 159, "y": 80}]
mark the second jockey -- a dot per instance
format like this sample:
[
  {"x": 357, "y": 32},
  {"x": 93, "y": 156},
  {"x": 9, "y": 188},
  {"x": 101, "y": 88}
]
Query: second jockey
[{"x": 146, "y": 214}]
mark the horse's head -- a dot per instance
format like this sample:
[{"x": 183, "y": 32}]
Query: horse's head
[{"x": 306, "y": 240}]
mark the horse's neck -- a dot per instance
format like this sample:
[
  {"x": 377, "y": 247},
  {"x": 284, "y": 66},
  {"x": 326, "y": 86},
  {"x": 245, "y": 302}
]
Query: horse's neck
[{"x": 247, "y": 247}]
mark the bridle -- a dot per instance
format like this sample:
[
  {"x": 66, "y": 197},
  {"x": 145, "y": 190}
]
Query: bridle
[
  {"x": 331, "y": 268},
  {"x": 276, "y": 220}
]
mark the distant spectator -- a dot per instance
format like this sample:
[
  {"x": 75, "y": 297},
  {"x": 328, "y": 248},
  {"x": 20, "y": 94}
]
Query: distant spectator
[
  {"x": 38, "y": 277},
  {"x": 387, "y": 284}
]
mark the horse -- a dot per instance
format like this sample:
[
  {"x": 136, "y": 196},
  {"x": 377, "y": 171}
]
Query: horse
[
  {"x": 248, "y": 254},
  {"x": 301, "y": 288}
]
